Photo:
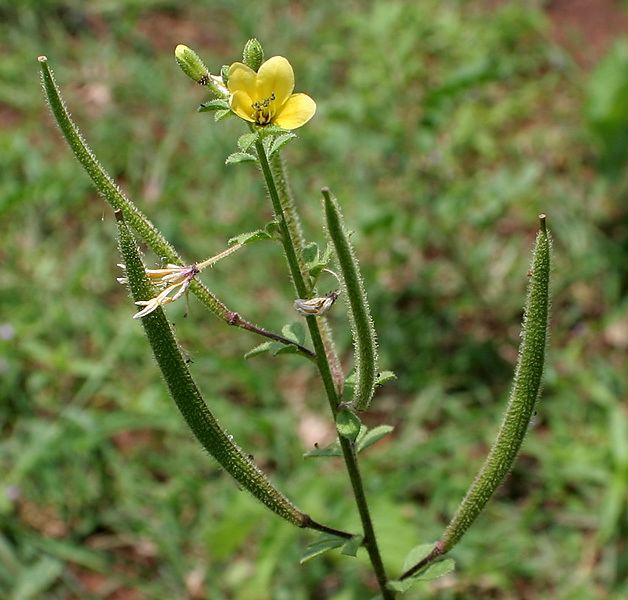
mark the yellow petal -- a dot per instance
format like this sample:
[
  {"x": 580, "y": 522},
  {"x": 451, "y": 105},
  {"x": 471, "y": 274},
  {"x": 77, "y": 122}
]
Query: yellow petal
[
  {"x": 242, "y": 79},
  {"x": 241, "y": 105},
  {"x": 297, "y": 111},
  {"x": 275, "y": 76}
]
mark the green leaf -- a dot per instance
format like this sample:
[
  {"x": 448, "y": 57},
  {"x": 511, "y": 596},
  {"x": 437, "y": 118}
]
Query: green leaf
[
  {"x": 432, "y": 571},
  {"x": 219, "y": 115},
  {"x": 250, "y": 237},
  {"x": 247, "y": 140},
  {"x": 310, "y": 252},
  {"x": 286, "y": 349},
  {"x": 436, "y": 570},
  {"x": 211, "y": 105},
  {"x": 271, "y": 131},
  {"x": 372, "y": 436},
  {"x": 238, "y": 157},
  {"x": 264, "y": 347},
  {"x": 320, "y": 546},
  {"x": 416, "y": 555},
  {"x": 280, "y": 141},
  {"x": 273, "y": 229},
  {"x": 294, "y": 331},
  {"x": 385, "y": 377},
  {"x": 351, "y": 546},
  {"x": 316, "y": 452},
  {"x": 348, "y": 424}
]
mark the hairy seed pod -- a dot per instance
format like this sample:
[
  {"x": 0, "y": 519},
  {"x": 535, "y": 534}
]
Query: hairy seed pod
[
  {"x": 187, "y": 396},
  {"x": 362, "y": 328},
  {"x": 112, "y": 193},
  {"x": 523, "y": 396}
]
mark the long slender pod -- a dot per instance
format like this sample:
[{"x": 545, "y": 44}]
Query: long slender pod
[
  {"x": 112, "y": 193},
  {"x": 134, "y": 216},
  {"x": 521, "y": 404},
  {"x": 362, "y": 328},
  {"x": 189, "y": 400}
]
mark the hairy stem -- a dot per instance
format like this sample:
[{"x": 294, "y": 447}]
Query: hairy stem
[
  {"x": 348, "y": 450},
  {"x": 293, "y": 221}
]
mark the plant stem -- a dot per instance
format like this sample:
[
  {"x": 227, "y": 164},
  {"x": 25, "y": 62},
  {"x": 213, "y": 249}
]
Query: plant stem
[
  {"x": 348, "y": 450},
  {"x": 293, "y": 221}
]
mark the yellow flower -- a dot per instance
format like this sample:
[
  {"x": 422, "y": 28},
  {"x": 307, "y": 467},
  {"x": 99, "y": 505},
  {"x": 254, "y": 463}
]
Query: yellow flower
[{"x": 266, "y": 97}]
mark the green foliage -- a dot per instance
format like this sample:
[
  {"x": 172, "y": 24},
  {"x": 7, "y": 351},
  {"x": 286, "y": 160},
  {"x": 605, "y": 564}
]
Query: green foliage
[{"x": 606, "y": 106}]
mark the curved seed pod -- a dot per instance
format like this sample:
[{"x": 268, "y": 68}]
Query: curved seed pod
[
  {"x": 523, "y": 397},
  {"x": 187, "y": 396},
  {"x": 112, "y": 194},
  {"x": 362, "y": 327}
]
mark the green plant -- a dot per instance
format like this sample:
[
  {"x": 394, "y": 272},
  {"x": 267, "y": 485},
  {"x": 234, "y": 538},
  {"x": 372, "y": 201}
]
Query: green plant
[{"x": 266, "y": 102}]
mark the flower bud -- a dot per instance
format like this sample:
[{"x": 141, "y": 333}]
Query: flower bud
[
  {"x": 253, "y": 55},
  {"x": 191, "y": 64}
]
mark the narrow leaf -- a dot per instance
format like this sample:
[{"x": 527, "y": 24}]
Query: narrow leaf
[
  {"x": 316, "y": 452},
  {"x": 238, "y": 157},
  {"x": 430, "y": 572},
  {"x": 246, "y": 141},
  {"x": 320, "y": 546},
  {"x": 34, "y": 580},
  {"x": 280, "y": 141},
  {"x": 264, "y": 347},
  {"x": 362, "y": 327},
  {"x": 416, "y": 555},
  {"x": 211, "y": 105},
  {"x": 249, "y": 238},
  {"x": 373, "y": 436},
  {"x": 187, "y": 396},
  {"x": 310, "y": 252},
  {"x": 294, "y": 331},
  {"x": 219, "y": 115}
]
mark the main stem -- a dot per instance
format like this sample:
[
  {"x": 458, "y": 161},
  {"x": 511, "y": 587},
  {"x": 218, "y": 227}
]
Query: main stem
[{"x": 348, "y": 449}]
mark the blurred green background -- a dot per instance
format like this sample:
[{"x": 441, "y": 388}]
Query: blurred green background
[{"x": 444, "y": 127}]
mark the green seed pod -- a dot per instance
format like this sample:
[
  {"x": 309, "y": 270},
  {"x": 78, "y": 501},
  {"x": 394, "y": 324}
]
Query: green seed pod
[
  {"x": 187, "y": 396},
  {"x": 253, "y": 55},
  {"x": 523, "y": 396},
  {"x": 519, "y": 410},
  {"x": 112, "y": 193},
  {"x": 191, "y": 64},
  {"x": 362, "y": 328}
]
